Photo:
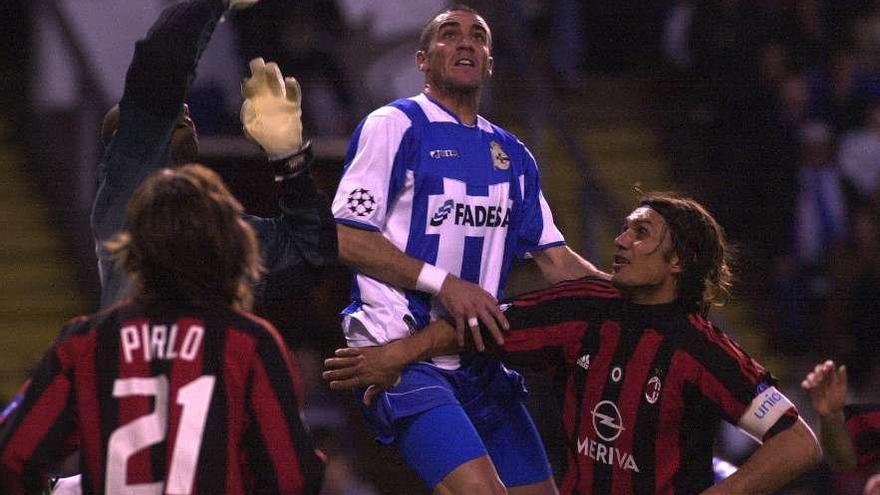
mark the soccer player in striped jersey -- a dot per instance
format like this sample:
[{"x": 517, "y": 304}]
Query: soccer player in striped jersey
[
  {"x": 434, "y": 205},
  {"x": 644, "y": 378},
  {"x": 180, "y": 390},
  {"x": 850, "y": 434}
]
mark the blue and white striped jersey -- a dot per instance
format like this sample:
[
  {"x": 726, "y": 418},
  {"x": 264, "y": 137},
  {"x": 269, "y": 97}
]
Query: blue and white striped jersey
[{"x": 464, "y": 198}]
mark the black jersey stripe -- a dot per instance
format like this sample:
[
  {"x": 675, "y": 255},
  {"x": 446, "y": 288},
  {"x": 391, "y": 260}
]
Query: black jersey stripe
[
  {"x": 626, "y": 343},
  {"x": 106, "y": 360},
  {"x": 645, "y": 449},
  {"x": 699, "y": 426},
  {"x": 213, "y": 461}
]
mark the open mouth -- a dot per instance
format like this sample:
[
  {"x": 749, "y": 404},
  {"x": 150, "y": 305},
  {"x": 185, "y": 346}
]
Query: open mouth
[
  {"x": 465, "y": 62},
  {"x": 619, "y": 261}
]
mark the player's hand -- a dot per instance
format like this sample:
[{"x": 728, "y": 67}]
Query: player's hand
[
  {"x": 872, "y": 487},
  {"x": 469, "y": 305},
  {"x": 827, "y": 388},
  {"x": 377, "y": 368},
  {"x": 271, "y": 114},
  {"x": 240, "y": 4}
]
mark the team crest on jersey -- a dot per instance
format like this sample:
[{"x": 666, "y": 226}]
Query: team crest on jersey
[
  {"x": 361, "y": 202},
  {"x": 500, "y": 160},
  {"x": 652, "y": 390},
  {"x": 584, "y": 361}
]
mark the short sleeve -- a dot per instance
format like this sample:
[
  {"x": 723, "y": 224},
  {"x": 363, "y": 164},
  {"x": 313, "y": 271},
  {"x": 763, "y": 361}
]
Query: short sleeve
[
  {"x": 377, "y": 157},
  {"x": 537, "y": 230}
]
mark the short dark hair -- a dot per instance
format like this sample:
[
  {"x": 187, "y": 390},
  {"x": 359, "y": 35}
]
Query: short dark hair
[
  {"x": 430, "y": 27},
  {"x": 186, "y": 241},
  {"x": 184, "y": 146},
  {"x": 699, "y": 241}
]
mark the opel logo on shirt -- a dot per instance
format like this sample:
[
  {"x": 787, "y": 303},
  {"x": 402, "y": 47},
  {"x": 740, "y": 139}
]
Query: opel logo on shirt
[{"x": 607, "y": 421}]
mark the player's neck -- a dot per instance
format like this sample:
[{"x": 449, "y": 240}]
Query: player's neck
[
  {"x": 652, "y": 295},
  {"x": 463, "y": 104}
]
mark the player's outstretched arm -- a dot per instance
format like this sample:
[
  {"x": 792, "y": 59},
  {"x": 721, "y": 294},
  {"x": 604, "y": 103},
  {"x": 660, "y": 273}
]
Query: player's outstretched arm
[
  {"x": 379, "y": 368},
  {"x": 560, "y": 263},
  {"x": 140, "y": 130},
  {"x": 826, "y": 386},
  {"x": 467, "y": 303},
  {"x": 781, "y": 459},
  {"x": 300, "y": 242}
]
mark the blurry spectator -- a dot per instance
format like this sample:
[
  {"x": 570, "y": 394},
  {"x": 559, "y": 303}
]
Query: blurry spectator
[
  {"x": 386, "y": 33},
  {"x": 821, "y": 206},
  {"x": 819, "y": 223},
  {"x": 859, "y": 155},
  {"x": 328, "y": 422},
  {"x": 803, "y": 26},
  {"x": 304, "y": 38},
  {"x": 839, "y": 92},
  {"x": 853, "y": 304},
  {"x": 794, "y": 101},
  {"x": 675, "y": 39}
]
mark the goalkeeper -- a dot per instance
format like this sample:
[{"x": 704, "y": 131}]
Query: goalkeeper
[{"x": 151, "y": 129}]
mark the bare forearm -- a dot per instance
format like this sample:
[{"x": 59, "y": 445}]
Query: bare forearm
[
  {"x": 436, "y": 339},
  {"x": 836, "y": 443},
  {"x": 560, "y": 263},
  {"x": 780, "y": 460},
  {"x": 375, "y": 256}
]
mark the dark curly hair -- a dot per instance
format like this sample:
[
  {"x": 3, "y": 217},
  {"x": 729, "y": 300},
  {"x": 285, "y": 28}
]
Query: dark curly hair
[
  {"x": 186, "y": 241},
  {"x": 699, "y": 241}
]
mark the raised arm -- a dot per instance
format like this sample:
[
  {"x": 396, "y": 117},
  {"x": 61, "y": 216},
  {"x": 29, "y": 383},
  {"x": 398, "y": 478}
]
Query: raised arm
[
  {"x": 150, "y": 117},
  {"x": 298, "y": 244},
  {"x": 778, "y": 461},
  {"x": 827, "y": 387}
]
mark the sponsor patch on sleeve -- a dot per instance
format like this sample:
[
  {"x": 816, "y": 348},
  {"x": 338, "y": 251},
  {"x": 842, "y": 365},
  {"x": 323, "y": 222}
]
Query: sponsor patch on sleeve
[{"x": 764, "y": 411}]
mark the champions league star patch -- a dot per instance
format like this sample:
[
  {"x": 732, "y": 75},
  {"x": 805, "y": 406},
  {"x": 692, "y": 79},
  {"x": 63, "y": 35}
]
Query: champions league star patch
[
  {"x": 500, "y": 160},
  {"x": 361, "y": 202}
]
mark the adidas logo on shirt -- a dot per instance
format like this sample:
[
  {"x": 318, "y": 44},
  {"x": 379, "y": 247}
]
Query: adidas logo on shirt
[{"x": 584, "y": 361}]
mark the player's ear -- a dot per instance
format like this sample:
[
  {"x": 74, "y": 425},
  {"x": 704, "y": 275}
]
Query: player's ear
[
  {"x": 490, "y": 65},
  {"x": 422, "y": 61},
  {"x": 675, "y": 264}
]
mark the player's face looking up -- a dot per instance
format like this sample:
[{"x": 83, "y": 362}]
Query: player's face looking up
[
  {"x": 645, "y": 266},
  {"x": 457, "y": 58}
]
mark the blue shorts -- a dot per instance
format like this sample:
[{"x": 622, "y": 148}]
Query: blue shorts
[{"x": 441, "y": 419}]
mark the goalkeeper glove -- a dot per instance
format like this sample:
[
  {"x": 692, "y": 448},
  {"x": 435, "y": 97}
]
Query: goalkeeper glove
[{"x": 271, "y": 117}]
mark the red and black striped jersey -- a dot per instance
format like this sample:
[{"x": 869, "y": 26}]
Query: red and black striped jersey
[
  {"x": 644, "y": 388},
  {"x": 863, "y": 424},
  {"x": 177, "y": 400}
]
